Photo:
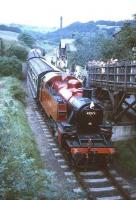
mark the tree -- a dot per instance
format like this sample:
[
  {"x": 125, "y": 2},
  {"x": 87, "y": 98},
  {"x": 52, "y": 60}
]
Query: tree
[
  {"x": 27, "y": 39},
  {"x": 10, "y": 66},
  {"x": 17, "y": 50},
  {"x": 88, "y": 48},
  {"x": 121, "y": 45},
  {"x": 1, "y": 47},
  {"x": 100, "y": 46},
  {"x": 127, "y": 35}
]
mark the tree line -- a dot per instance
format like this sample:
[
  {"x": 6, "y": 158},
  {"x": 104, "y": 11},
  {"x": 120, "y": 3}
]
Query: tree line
[
  {"x": 12, "y": 54},
  {"x": 120, "y": 46}
]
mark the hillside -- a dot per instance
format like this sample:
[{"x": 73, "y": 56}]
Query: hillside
[
  {"x": 11, "y": 31},
  {"x": 108, "y": 28},
  {"x": 8, "y": 35}
]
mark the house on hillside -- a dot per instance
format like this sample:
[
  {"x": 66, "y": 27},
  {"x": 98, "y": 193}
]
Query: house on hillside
[{"x": 65, "y": 46}]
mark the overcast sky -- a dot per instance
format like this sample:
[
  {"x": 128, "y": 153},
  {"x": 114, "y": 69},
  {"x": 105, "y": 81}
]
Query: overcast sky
[{"x": 48, "y": 12}]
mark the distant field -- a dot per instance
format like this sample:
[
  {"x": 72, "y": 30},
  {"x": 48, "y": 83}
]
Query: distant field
[{"x": 7, "y": 35}]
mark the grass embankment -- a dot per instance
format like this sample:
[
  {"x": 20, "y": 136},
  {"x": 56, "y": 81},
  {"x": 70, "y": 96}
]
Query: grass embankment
[
  {"x": 21, "y": 173},
  {"x": 126, "y": 159}
]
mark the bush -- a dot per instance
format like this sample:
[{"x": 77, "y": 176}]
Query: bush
[
  {"x": 27, "y": 39},
  {"x": 126, "y": 157},
  {"x": 10, "y": 66},
  {"x": 18, "y": 93},
  {"x": 19, "y": 51}
]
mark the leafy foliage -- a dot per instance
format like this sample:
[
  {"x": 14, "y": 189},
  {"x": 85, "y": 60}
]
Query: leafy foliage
[
  {"x": 17, "y": 50},
  {"x": 27, "y": 39},
  {"x": 18, "y": 93},
  {"x": 21, "y": 174},
  {"x": 88, "y": 48},
  {"x": 127, "y": 36},
  {"x": 121, "y": 46},
  {"x": 126, "y": 156},
  {"x": 10, "y": 66},
  {"x": 101, "y": 47},
  {"x": 1, "y": 47}
]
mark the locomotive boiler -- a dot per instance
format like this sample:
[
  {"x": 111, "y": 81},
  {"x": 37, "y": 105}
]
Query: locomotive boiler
[{"x": 76, "y": 117}]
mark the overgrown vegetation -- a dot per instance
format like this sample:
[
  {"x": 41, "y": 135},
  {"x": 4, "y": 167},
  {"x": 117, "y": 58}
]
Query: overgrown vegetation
[
  {"x": 10, "y": 66},
  {"x": 13, "y": 48},
  {"x": 11, "y": 56},
  {"x": 120, "y": 47},
  {"x": 18, "y": 93},
  {"x": 104, "y": 47},
  {"x": 126, "y": 157},
  {"x": 88, "y": 48},
  {"x": 21, "y": 172},
  {"x": 26, "y": 39},
  {"x": 17, "y": 50}
]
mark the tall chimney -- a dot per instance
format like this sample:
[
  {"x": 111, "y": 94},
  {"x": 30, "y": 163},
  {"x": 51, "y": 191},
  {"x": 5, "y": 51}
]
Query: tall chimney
[{"x": 61, "y": 22}]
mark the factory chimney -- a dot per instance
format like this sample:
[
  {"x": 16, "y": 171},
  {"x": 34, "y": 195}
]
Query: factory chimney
[{"x": 61, "y": 22}]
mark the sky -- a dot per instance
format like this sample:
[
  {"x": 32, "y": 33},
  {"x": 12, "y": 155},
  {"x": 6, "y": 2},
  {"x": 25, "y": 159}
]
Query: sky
[{"x": 47, "y": 12}]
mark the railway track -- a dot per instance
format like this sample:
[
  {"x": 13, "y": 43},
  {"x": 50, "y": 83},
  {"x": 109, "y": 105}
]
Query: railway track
[{"x": 95, "y": 184}]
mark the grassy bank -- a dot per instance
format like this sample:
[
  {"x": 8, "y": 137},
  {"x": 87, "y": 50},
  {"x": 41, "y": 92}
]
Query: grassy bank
[
  {"x": 126, "y": 159},
  {"x": 21, "y": 172}
]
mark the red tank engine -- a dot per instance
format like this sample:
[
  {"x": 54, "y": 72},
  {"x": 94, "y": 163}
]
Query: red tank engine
[{"x": 77, "y": 117}]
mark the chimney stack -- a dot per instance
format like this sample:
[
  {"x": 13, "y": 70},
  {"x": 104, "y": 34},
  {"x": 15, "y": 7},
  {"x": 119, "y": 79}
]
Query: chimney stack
[{"x": 61, "y": 22}]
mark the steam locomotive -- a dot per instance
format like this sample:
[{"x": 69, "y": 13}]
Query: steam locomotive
[{"x": 76, "y": 116}]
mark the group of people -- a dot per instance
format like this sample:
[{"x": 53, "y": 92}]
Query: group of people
[{"x": 101, "y": 63}]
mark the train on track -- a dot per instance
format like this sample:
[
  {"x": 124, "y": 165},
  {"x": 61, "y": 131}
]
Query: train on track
[{"x": 76, "y": 116}]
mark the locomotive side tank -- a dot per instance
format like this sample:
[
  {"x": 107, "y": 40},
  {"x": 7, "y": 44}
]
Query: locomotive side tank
[{"x": 53, "y": 104}]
